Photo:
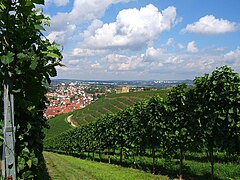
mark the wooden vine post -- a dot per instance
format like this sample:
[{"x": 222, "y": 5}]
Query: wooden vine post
[{"x": 8, "y": 157}]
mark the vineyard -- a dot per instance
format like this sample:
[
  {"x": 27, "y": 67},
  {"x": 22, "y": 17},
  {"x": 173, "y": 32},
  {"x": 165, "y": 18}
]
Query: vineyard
[
  {"x": 110, "y": 104},
  {"x": 185, "y": 133},
  {"x": 57, "y": 125},
  {"x": 193, "y": 127}
]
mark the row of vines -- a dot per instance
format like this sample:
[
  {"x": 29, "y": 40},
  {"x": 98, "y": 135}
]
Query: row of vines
[
  {"x": 27, "y": 60},
  {"x": 206, "y": 117}
]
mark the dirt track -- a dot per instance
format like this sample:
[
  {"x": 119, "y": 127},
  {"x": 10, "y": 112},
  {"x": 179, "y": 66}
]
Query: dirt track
[{"x": 72, "y": 122}]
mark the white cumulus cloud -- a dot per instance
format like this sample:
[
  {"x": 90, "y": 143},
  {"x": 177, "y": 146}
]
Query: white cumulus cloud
[
  {"x": 233, "y": 55},
  {"x": 82, "y": 52},
  {"x": 133, "y": 28},
  {"x": 152, "y": 53},
  {"x": 154, "y": 63},
  {"x": 211, "y": 25},
  {"x": 59, "y": 35},
  {"x": 180, "y": 46},
  {"x": 62, "y": 36},
  {"x": 119, "y": 62},
  {"x": 82, "y": 11},
  {"x": 191, "y": 47}
]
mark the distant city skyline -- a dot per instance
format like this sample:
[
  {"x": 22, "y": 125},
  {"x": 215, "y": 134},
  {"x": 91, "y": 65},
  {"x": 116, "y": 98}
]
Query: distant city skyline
[{"x": 144, "y": 40}]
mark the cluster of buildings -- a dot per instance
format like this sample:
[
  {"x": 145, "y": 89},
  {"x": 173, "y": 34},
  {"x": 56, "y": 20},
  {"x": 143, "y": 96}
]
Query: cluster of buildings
[
  {"x": 67, "y": 98},
  {"x": 122, "y": 89}
]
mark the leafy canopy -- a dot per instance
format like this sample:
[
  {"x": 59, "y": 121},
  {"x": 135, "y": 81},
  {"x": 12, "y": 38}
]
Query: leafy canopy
[{"x": 27, "y": 60}]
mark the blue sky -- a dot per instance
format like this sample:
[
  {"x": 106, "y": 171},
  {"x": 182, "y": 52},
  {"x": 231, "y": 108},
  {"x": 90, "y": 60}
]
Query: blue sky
[{"x": 143, "y": 40}]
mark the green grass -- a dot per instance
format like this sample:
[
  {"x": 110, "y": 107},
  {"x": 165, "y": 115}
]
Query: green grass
[
  {"x": 192, "y": 169},
  {"x": 221, "y": 171},
  {"x": 67, "y": 167},
  {"x": 165, "y": 169}
]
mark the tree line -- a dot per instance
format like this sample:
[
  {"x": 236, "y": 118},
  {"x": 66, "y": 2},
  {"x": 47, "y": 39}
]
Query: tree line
[{"x": 205, "y": 117}]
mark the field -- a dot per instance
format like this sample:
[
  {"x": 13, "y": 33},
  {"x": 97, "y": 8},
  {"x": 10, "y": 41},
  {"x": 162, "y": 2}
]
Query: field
[{"x": 109, "y": 104}]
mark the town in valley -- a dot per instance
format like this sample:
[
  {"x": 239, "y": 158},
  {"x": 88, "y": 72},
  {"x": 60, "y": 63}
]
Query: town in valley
[{"x": 66, "y": 95}]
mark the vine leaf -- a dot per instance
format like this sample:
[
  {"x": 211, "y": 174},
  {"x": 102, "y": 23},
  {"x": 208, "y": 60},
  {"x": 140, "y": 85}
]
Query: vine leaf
[
  {"x": 7, "y": 59},
  {"x": 39, "y": 27},
  {"x": 29, "y": 163},
  {"x": 34, "y": 64}
]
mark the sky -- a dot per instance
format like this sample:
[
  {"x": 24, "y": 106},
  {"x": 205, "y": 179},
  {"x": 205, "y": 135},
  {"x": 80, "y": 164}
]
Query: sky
[{"x": 143, "y": 39}]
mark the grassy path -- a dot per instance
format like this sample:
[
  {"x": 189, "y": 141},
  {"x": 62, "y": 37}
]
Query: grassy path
[{"x": 68, "y": 167}]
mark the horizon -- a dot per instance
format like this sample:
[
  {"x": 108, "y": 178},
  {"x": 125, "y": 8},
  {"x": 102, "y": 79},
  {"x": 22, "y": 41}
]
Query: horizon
[{"x": 121, "y": 79}]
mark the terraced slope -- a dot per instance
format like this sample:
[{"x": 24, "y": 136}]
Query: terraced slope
[{"x": 110, "y": 104}]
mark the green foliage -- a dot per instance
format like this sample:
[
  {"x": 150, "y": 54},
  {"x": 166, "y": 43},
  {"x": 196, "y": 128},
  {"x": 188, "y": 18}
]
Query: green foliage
[
  {"x": 217, "y": 108},
  {"x": 217, "y": 111},
  {"x": 181, "y": 122},
  {"x": 28, "y": 59},
  {"x": 204, "y": 117}
]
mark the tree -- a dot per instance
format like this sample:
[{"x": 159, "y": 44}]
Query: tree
[{"x": 28, "y": 60}]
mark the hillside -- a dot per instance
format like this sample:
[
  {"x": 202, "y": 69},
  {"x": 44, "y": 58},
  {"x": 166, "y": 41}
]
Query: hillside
[
  {"x": 57, "y": 125},
  {"x": 112, "y": 104},
  {"x": 109, "y": 104}
]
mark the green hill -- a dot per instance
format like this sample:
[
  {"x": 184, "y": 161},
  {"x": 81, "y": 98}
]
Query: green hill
[{"x": 110, "y": 104}]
